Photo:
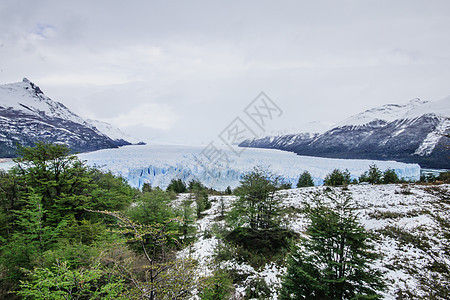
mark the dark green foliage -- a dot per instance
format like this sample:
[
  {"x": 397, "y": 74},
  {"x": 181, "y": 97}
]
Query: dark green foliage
[
  {"x": 389, "y": 176},
  {"x": 228, "y": 190},
  {"x": 201, "y": 200},
  {"x": 146, "y": 187},
  {"x": 337, "y": 178},
  {"x": 151, "y": 207},
  {"x": 217, "y": 287},
  {"x": 305, "y": 180},
  {"x": 429, "y": 178},
  {"x": 444, "y": 176},
  {"x": 63, "y": 282},
  {"x": 285, "y": 186},
  {"x": 195, "y": 185},
  {"x": 110, "y": 192},
  {"x": 177, "y": 186},
  {"x": 60, "y": 179},
  {"x": 187, "y": 227},
  {"x": 333, "y": 262},
  {"x": 42, "y": 207},
  {"x": 257, "y": 289},
  {"x": 258, "y": 205},
  {"x": 50, "y": 230},
  {"x": 363, "y": 177},
  {"x": 266, "y": 242},
  {"x": 254, "y": 217},
  {"x": 374, "y": 175}
]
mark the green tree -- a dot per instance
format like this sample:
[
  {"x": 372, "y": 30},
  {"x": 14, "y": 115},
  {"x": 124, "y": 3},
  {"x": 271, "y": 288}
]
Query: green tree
[
  {"x": 152, "y": 207},
  {"x": 187, "y": 228},
  {"x": 389, "y": 176},
  {"x": 63, "y": 282},
  {"x": 374, "y": 175},
  {"x": 163, "y": 277},
  {"x": 201, "y": 200},
  {"x": 337, "y": 178},
  {"x": 333, "y": 262},
  {"x": 364, "y": 177},
  {"x": 9, "y": 202},
  {"x": 146, "y": 187},
  {"x": 30, "y": 240},
  {"x": 43, "y": 209},
  {"x": 257, "y": 205},
  {"x": 305, "y": 180},
  {"x": 195, "y": 185},
  {"x": 61, "y": 179},
  {"x": 228, "y": 190},
  {"x": 217, "y": 287},
  {"x": 177, "y": 185}
]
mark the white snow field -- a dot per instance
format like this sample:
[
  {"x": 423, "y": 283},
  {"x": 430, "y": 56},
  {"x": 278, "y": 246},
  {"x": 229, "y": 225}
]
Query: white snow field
[
  {"x": 408, "y": 219},
  {"x": 159, "y": 164}
]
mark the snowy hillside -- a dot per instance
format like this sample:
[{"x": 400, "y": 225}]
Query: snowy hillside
[
  {"x": 113, "y": 132},
  {"x": 28, "y": 97},
  {"x": 416, "y": 132},
  {"x": 388, "y": 113},
  {"x": 27, "y": 115},
  {"x": 411, "y": 222},
  {"x": 311, "y": 128},
  {"x": 159, "y": 164}
]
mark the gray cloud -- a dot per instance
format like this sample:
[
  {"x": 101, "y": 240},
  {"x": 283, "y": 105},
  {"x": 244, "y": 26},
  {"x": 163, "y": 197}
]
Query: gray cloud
[{"x": 179, "y": 70}]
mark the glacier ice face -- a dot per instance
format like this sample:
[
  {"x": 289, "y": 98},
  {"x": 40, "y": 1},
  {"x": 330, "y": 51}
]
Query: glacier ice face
[{"x": 159, "y": 164}]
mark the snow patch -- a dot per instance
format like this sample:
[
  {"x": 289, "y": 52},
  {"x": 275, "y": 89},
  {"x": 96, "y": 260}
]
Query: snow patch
[{"x": 430, "y": 142}]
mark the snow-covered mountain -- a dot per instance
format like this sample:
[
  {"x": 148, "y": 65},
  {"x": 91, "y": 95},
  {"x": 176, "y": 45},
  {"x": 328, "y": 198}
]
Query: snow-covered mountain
[
  {"x": 415, "y": 132},
  {"x": 119, "y": 137},
  {"x": 27, "y": 115}
]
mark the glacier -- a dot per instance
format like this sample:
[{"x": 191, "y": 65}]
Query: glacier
[{"x": 159, "y": 164}]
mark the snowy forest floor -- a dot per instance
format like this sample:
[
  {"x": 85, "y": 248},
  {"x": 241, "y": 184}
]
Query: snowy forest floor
[{"x": 412, "y": 223}]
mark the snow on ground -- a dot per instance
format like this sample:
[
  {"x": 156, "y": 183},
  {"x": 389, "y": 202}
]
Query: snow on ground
[
  {"x": 159, "y": 164},
  {"x": 406, "y": 217},
  {"x": 6, "y": 164}
]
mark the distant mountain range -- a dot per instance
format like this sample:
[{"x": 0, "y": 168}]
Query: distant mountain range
[
  {"x": 28, "y": 116},
  {"x": 416, "y": 132}
]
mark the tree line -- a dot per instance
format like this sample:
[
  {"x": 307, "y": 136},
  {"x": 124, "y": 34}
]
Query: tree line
[{"x": 69, "y": 231}]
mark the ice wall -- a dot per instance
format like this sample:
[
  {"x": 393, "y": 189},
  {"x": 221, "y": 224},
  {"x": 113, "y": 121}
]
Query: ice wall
[{"x": 159, "y": 164}]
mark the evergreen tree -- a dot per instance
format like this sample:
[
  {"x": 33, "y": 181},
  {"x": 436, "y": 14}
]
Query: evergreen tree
[
  {"x": 195, "y": 185},
  {"x": 146, "y": 187},
  {"x": 389, "y": 176},
  {"x": 374, "y": 174},
  {"x": 305, "y": 180},
  {"x": 257, "y": 204},
  {"x": 364, "y": 177},
  {"x": 228, "y": 190},
  {"x": 333, "y": 262},
  {"x": 337, "y": 178},
  {"x": 177, "y": 185}
]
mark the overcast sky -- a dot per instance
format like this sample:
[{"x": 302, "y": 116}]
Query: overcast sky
[{"x": 181, "y": 71}]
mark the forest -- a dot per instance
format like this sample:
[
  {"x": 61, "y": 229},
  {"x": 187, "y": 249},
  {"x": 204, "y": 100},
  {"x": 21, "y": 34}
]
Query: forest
[{"x": 69, "y": 231}]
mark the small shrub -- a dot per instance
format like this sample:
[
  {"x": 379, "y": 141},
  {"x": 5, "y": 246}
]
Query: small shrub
[
  {"x": 260, "y": 246},
  {"x": 257, "y": 289},
  {"x": 404, "y": 190}
]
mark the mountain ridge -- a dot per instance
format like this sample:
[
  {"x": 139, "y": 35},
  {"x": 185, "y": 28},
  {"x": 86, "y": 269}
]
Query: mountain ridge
[
  {"x": 416, "y": 132},
  {"x": 27, "y": 116}
]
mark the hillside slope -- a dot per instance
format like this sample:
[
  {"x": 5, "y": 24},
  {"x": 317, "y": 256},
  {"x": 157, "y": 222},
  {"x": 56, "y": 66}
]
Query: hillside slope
[
  {"x": 416, "y": 132},
  {"x": 27, "y": 115},
  {"x": 411, "y": 222}
]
